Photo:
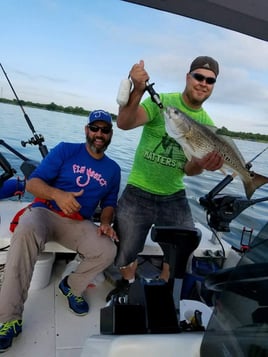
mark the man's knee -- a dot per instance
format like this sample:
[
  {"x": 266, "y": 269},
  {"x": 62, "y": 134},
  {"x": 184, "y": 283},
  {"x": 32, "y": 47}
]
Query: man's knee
[{"x": 111, "y": 253}]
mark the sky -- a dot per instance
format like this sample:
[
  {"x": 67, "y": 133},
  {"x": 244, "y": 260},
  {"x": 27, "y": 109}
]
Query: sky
[{"x": 75, "y": 53}]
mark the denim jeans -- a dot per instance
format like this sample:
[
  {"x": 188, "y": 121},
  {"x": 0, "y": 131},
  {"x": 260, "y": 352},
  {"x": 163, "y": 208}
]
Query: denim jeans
[{"x": 138, "y": 210}]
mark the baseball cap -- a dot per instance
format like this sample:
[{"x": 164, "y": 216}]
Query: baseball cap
[
  {"x": 101, "y": 115},
  {"x": 205, "y": 62}
]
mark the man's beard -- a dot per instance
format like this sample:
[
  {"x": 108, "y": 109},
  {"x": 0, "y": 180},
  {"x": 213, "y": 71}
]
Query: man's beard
[{"x": 93, "y": 147}]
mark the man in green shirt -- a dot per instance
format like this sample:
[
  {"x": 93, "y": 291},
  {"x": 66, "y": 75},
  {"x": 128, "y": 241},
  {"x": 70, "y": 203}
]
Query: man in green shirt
[{"x": 155, "y": 191}]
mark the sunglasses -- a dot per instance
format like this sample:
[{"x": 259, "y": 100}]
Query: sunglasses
[
  {"x": 200, "y": 78},
  {"x": 96, "y": 128}
]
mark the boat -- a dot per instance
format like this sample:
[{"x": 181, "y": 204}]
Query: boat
[{"x": 219, "y": 300}]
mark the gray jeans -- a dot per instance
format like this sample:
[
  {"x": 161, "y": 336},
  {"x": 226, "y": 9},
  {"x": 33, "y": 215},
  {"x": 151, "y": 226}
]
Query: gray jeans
[
  {"x": 138, "y": 210},
  {"x": 36, "y": 227}
]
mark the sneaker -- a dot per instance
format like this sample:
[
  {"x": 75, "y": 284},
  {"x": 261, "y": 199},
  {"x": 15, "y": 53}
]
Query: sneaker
[
  {"x": 77, "y": 304},
  {"x": 121, "y": 289},
  {"x": 8, "y": 330}
]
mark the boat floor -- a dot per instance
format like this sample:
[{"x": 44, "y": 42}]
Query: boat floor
[{"x": 50, "y": 328}]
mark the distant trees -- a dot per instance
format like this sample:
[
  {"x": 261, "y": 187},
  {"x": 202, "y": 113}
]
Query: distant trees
[
  {"x": 52, "y": 107},
  {"x": 242, "y": 135}
]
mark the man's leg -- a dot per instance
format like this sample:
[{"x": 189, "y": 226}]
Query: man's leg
[
  {"x": 97, "y": 252},
  {"x": 27, "y": 242},
  {"x": 132, "y": 223}
]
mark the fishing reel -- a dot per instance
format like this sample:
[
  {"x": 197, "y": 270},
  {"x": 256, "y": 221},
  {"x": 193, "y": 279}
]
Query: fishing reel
[
  {"x": 222, "y": 209},
  {"x": 35, "y": 140}
]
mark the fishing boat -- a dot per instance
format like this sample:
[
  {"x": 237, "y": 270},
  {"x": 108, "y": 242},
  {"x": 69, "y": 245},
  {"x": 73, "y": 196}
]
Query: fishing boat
[{"x": 217, "y": 302}]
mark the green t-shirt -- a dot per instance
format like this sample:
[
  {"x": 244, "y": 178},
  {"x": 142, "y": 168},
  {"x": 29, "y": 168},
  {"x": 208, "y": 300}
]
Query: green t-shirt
[{"x": 159, "y": 160}]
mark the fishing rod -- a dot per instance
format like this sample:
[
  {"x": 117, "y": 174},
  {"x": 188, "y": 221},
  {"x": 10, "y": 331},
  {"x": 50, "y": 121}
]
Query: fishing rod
[
  {"x": 248, "y": 164},
  {"x": 37, "y": 139}
]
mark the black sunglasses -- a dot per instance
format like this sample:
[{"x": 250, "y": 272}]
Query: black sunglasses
[
  {"x": 200, "y": 78},
  {"x": 96, "y": 128}
]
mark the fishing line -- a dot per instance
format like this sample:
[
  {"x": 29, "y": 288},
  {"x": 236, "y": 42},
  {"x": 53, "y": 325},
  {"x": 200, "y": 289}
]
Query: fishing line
[{"x": 37, "y": 139}]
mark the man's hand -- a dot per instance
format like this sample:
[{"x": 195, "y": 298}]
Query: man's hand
[
  {"x": 67, "y": 201},
  {"x": 107, "y": 229},
  {"x": 139, "y": 76},
  {"x": 212, "y": 161}
]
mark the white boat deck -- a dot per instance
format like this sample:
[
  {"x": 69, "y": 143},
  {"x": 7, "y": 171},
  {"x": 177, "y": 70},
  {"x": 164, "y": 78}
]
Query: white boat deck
[{"x": 50, "y": 329}]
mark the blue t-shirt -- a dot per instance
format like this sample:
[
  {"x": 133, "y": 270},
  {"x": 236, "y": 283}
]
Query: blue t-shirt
[{"x": 69, "y": 167}]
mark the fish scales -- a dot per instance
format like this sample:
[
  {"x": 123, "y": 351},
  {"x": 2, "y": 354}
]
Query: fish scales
[{"x": 198, "y": 140}]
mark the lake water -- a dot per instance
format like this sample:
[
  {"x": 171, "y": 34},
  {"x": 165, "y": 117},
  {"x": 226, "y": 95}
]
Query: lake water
[{"x": 56, "y": 127}]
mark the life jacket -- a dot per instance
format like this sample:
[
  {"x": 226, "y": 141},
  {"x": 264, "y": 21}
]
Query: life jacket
[
  {"x": 13, "y": 224},
  {"x": 15, "y": 220}
]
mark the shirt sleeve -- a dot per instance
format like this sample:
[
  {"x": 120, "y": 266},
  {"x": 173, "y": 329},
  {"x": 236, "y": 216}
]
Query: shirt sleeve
[{"x": 49, "y": 167}]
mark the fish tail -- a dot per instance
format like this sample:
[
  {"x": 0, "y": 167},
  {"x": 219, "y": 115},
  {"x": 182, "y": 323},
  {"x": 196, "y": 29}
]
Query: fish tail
[{"x": 252, "y": 185}]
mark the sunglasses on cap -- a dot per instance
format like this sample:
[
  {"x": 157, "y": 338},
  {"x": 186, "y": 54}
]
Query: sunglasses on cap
[
  {"x": 96, "y": 128},
  {"x": 200, "y": 78}
]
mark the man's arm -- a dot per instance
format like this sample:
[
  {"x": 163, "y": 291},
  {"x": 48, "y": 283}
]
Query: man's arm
[
  {"x": 106, "y": 218},
  {"x": 65, "y": 200},
  {"x": 41, "y": 189}
]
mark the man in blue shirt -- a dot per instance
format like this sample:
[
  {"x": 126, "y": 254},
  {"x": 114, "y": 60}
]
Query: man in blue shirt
[{"x": 69, "y": 184}]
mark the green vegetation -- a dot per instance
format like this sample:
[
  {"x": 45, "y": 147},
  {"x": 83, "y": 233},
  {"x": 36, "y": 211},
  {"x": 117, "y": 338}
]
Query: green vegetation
[
  {"x": 243, "y": 136},
  {"x": 52, "y": 107},
  {"x": 81, "y": 111}
]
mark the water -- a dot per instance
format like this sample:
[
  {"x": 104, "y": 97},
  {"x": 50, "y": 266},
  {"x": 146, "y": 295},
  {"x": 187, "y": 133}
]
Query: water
[{"x": 56, "y": 127}]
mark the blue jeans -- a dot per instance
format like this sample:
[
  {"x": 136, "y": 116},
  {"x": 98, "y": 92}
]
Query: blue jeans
[{"x": 138, "y": 210}]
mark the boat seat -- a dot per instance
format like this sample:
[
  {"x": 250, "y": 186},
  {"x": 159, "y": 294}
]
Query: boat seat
[
  {"x": 180, "y": 243},
  {"x": 177, "y": 243}
]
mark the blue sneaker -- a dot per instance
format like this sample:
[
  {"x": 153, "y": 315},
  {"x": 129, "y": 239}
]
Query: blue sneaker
[
  {"x": 76, "y": 303},
  {"x": 8, "y": 330}
]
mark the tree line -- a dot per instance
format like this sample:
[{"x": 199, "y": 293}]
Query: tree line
[
  {"x": 83, "y": 112},
  {"x": 52, "y": 107}
]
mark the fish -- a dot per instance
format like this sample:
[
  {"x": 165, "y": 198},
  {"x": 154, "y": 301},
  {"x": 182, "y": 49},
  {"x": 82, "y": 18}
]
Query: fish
[{"x": 197, "y": 140}]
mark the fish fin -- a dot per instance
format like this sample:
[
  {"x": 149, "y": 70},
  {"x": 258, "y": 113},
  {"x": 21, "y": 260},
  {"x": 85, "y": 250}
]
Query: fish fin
[
  {"x": 214, "y": 129},
  {"x": 252, "y": 185},
  {"x": 187, "y": 154},
  {"x": 229, "y": 141}
]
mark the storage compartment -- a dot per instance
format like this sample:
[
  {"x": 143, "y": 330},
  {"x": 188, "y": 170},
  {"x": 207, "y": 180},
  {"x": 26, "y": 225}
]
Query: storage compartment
[{"x": 42, "y": 271}]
